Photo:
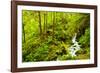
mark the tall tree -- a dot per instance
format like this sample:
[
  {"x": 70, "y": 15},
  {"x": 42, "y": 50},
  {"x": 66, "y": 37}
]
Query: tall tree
[
  {"x": 44, "y": 24},
  {"x": 53, "y": 25},
  {"x": 23, "y": 32},
  {"x": 40, "y": 26}
]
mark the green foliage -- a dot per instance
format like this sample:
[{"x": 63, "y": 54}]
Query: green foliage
[
  {"x": 47, "y": 36},
  {"x": 85, "y": 39}
]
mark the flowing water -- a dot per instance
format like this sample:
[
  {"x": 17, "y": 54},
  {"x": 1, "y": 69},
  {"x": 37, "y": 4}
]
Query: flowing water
[{"x": 75, "y": 47}]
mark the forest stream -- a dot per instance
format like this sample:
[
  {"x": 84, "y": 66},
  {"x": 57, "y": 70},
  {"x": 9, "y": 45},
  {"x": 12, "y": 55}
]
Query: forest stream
[{"x": 75, "y": 47}]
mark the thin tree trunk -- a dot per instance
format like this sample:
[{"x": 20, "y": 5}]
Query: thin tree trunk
[
  {"x": 55, "y": 18},
  {"x": 40, "y": 26},
  {"x": 24, "y": 33},
  {"x": 44, "y": 24},
  {"x": 53, "y": 25}
]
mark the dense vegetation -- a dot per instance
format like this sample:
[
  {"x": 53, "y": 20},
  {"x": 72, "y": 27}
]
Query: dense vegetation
[{"x": 48, "y": 36}]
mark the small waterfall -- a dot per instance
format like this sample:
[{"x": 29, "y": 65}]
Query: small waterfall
[{"x": 75, "y": 47}]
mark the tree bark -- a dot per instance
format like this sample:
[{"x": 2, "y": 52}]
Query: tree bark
[
  {"x": 44, "y": 24},
  {"x": 24, "y": 33},
  {"x": 53, "y": 27},
  {"x": 40, "y": 26}
]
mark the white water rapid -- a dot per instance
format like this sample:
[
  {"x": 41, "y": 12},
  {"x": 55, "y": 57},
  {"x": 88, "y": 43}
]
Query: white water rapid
[{"x": 75, "y": 47}]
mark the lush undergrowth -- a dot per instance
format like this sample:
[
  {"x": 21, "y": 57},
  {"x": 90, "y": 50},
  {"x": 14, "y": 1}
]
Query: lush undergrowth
[{"x": 47, "y": 36}]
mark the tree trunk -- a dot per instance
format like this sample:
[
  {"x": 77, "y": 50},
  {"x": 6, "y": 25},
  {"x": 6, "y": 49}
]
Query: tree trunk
[
  {"x": 23, "y": 33},
  {"x": 53, "y": 27},
  {"x": 44, "y": 25},
  {"x": 40, "y": 26}
]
